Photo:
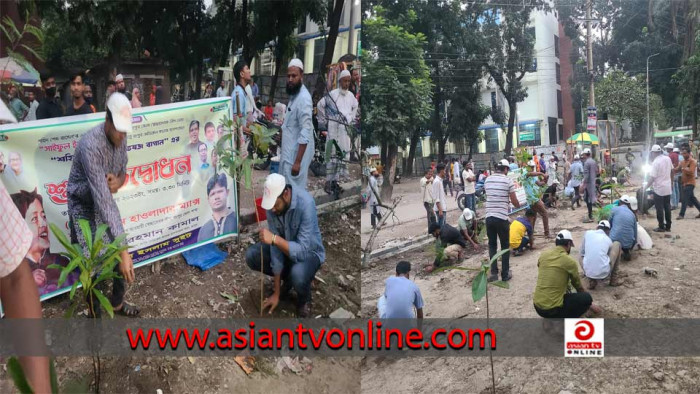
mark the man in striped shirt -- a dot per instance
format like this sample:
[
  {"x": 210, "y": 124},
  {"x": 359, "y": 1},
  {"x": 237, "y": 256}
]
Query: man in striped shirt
[{"x": 500, "y": 193}]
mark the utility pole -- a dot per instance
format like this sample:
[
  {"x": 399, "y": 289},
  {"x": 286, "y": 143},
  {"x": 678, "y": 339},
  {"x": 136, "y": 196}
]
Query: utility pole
[
  {"x": 648, "y": 118},
  {"x": 589, "y": 54}
]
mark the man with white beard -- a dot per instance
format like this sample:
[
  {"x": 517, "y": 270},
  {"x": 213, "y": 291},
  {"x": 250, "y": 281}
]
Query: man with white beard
[{"x": 340, "y": 109}]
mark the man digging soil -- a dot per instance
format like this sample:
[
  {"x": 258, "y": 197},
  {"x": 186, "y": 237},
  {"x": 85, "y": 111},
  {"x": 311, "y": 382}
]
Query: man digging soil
[{"x": 292, "y": 248}]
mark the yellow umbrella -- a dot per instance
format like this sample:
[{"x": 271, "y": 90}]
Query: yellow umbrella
[{"x": 583, "y": 137}]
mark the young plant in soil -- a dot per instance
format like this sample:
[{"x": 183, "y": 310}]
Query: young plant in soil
[
  {"x": 480, "y": 290},
  {"x": 95, "y": 267},
  {"x": 239, "y": 164}
]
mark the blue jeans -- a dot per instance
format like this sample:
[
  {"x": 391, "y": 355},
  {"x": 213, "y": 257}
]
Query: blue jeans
[
  {"x": 470, "y": 202},
  {"x": 301, "y": 273},
  {"x": 441, "y": 220},
  {"x": 523, "y": 244},
  {"x": 675, "y": 192}
]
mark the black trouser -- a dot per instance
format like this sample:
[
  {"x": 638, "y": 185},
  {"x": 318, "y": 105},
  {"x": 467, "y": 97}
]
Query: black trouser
[
  {"x": 589, "y": 205},
  {"x": 431, "y": 214},
  {"x": 577, "y": 196},
  {"x": 663, "y": 208},
  {"x": 688, "y": 198},
  {"x": 575, "y": 305},
  {"x": 375, "y": 215},
  {"x": 301, "y": 273},
  {"x": 498, "y": 229}
]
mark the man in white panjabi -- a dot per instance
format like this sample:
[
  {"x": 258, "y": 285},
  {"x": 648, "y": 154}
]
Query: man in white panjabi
[{"x": 340, "y": 109}]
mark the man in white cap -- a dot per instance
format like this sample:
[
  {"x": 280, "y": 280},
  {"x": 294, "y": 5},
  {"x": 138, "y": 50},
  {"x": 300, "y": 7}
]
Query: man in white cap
[
  {"x": 623, "y": 226},
  {"x": 297, "y": 129},
  {"x": 555, "y": 269},
  {"x": 292, "y": 248},
  {"x": 574, "y": 179},
  {"x": 500, "y": 193},
  {"x": 661, "y": 180},
  {"x": 340, "y": 109},
  {"x": 121, "y": 86},
  {"x": 467, "y": 225},
  {"x": 97, "y": 172},
  {"x": 600, "y": 255},
  {"x": 373, "y": 199},
  {"x": 588, "y": 184}
]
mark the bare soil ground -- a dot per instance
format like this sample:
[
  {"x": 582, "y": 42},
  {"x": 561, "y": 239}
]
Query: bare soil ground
[
  {"x": 674, "y": 294},
  {"x": 182, "y": 291}
]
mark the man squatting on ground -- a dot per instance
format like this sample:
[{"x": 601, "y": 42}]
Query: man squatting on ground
[{"x": 292, "y": 248}]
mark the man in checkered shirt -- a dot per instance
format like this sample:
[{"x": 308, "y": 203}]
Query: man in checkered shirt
[{"x": 18, "y": 292}]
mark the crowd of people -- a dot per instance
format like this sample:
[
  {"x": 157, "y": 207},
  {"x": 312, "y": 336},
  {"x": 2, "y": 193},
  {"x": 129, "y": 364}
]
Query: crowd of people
[
  {"x": 564, "y": 282},
  {"x": 290, "y": 249}
]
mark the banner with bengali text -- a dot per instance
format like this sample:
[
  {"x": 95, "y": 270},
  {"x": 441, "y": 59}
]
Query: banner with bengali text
[{"x": 172, "y": 199}]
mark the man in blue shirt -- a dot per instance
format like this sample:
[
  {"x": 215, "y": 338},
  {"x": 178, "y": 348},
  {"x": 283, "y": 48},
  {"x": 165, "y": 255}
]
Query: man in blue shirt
[
  {"x": 623, "y": 227},
  {"x": 297, "y": 129},
  {"x": 401, "y": 296},
  {"x": 292, "y": 248}
]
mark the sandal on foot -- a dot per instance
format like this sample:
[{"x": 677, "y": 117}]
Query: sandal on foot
[{"x": 128, "y": 310}]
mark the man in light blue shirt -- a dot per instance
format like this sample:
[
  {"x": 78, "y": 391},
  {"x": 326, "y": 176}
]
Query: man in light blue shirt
[
  {"x": 297, "y": 129},
  {"x": 291, "y": 246},
  {"x": 623, "y": 227},
  {"x": 239, "y": 103},
  {"x": 401, "y": 296}
]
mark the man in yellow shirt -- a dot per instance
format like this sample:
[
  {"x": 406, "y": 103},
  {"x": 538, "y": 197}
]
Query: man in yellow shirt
[
  {"x": 521, "y": 233},
  {"x": 555, "y": 270}
]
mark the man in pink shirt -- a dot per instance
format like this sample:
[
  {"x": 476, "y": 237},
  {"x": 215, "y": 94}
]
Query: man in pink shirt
[{"x": 661, "y": 179}]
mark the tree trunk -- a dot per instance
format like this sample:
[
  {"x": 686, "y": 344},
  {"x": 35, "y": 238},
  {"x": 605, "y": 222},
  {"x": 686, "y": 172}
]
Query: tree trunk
[
  {"x": 441, "y": 149},
  {"x": 415, "y": 140},
  {"x": 471, "y": 149},
  {"x": 278, "y": 67},
  {"x": 247, "y": 50},
  {"x": 198, "y": 77},
  {"x": 650, "y": 15},
  {"x": 383, "y": 154},
  {"x": 437, "y": 124},
  {"x": 389, "y": 172},
  {"x": 512, "y": 110},
  {"x": 334, "y": 26}
]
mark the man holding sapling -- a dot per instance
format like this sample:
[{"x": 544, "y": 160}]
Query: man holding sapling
[{"x": 98, "y": 171}]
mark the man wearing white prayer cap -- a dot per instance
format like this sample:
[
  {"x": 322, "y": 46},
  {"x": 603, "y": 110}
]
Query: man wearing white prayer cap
[
  {"x": 340, "y": 109},
  {"x": 297, "y": 129}
]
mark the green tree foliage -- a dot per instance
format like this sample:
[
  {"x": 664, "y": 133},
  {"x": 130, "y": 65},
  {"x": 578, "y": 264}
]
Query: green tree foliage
[
  {"x": 465, "y": 114},
  {"x": 397, "y": 87},
  {"x": 688, "y": 82},
  {"x": 624, "y": 97},
  {"x": 510, "y": 46}
]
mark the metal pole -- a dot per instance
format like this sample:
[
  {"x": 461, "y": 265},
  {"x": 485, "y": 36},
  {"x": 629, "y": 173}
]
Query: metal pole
[
  {"x": 589, "y": 55},
  {"x": 648, "y": 118}
]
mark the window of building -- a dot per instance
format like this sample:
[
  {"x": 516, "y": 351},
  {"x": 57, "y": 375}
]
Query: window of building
[
  {"x": 267, "y": 63},
  {"x": 558, "y": 74},
  {"x": 559, "y": 107},
  {"x": 533, "y": 67},
  {"x": 492, "y": 141},
  {"x": 529, "y": 134},
  {"x": 319, "y": 48},
  {"x": 561, "y": 132},
  {"x": 556, "y": 46}
]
